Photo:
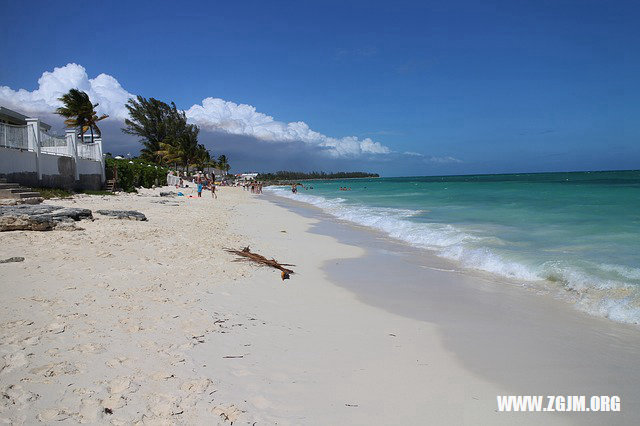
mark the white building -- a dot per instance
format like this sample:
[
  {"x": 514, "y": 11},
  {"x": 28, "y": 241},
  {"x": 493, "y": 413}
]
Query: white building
[
  {"x": 246, "y": 176},
  {"x": 31, "y": 156}
]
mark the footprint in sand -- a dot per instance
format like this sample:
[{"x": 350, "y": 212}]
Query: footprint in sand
[
  {"x": 116, "y": 362},
  {"x": 14, "y": 399},
  {"x": 121, "y": 384},
  {"x": 91, "y": 411},
  {"x": 56, "y": 328},
  {"x": 113, "y": 402},
  {"x": 53, "y": 370},
  {"x": 92, "y": 348},
  {"x": 162, "y": 375},
  {"x": 13, "y": 361},
  {"x": 229, "y": 413},
  {"x": 164, "y": 406},
  {"x": 54, "y": 414},
  {"x": 196, "y": 386}
]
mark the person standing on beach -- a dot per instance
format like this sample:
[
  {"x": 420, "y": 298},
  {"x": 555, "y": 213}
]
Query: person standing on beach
[
  {"x": 199, "y": 188},
  {"x": 213, "y": 189}
]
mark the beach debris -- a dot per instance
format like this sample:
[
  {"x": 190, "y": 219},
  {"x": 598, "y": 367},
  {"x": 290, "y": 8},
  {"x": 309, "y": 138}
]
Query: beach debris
[
  {"x": 26, "y": 217},
  {"x": 351, "y": 405},
  {"x": 123, "y": 214},
  {"x": 246, "y": 255},
  {"x": 13, "y": 259}
]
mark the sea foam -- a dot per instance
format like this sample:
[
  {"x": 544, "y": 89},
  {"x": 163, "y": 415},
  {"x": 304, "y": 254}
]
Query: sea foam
[{"x": 616, "y": 298}]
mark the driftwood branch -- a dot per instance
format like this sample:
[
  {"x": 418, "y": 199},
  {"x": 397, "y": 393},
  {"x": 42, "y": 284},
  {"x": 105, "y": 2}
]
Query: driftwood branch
[{"x": 246, "y": 255}]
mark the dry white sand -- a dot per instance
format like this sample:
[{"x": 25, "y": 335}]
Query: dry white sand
[{"x": 130, "y": 322}]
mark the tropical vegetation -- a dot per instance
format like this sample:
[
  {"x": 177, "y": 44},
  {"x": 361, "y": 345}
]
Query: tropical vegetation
[
  {"x": 135, "y": 173},
  {"x": 167, "y": 139},
  {"x": 80, "y": 112}
]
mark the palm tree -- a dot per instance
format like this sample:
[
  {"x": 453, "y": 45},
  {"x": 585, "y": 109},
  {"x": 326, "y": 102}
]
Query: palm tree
[
  {"x": 182, "y": 148},
  {"x": 223, "y": 164},
  {"x": 80, "y": 112}
]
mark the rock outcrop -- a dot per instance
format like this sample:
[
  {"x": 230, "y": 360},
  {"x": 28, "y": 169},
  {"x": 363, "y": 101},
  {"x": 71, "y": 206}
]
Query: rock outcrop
[
  {"x": 123, "y": 214},
  {"x": 26, "y": 217}
]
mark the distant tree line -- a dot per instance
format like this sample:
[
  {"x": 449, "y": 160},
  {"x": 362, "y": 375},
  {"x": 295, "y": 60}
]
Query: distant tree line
[{"x": 288, "y": 175}]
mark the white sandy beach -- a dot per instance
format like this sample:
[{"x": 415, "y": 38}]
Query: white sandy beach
[
  {"x": 138, "y": 317},
  {"x": 129, "y": 322}
]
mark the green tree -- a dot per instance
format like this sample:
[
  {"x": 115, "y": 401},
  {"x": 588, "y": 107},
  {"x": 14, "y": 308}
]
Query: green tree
[
  {"x": 182, "y": 146},
  {"x": 223, "y": 163},
  {"x": 202, "y": 157},
  {"x": 155, "y": 122},
  {"x": 80, "y": 112}
]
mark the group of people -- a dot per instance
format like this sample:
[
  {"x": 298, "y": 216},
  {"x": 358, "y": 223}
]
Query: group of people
[
  {"x": 254, "y": 187},
  {"x": 294, "y": 187},
  {"x": 206, "y": 183}
]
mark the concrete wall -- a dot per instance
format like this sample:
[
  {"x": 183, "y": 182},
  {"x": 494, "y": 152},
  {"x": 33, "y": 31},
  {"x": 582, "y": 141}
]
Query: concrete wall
[
  {"x": 91, "y": 174},
  {"x": 18, "y": 166},
  {"x": 56, "y": 171}
]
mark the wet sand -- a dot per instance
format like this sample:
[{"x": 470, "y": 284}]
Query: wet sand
[{"x": 521, "y": 338}]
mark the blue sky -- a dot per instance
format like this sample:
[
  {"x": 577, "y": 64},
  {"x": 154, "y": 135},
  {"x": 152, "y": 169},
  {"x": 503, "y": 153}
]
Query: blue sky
[{"x": 473, "y": 87}]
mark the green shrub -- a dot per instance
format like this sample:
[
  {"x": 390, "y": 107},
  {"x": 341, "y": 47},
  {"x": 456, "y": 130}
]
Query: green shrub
[{"x": 134, "y": 173}]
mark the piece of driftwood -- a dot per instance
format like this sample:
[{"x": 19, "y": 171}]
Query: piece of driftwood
[{"x": 246, "y": 255}]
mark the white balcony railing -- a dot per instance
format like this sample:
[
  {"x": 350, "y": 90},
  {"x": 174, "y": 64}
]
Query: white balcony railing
[
  {"x": 30, "y": 137},
  {"x": 53, "y": 145},
  {"x": 13, "y": 136},
  {"x": 90, "y": 151}
]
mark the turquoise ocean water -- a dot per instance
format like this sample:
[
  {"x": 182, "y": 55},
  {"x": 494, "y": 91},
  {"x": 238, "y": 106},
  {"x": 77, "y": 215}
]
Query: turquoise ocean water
[{"x": 579, "y": 232}]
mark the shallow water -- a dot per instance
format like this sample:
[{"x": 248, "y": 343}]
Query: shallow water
[{"x": 579, "y": 230}]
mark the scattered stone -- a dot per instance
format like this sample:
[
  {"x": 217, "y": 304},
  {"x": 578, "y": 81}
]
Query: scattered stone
[
  {"x": 25, "y": 217},
  {"x": 166, "y": 203},
  {"x": 13, "y": 259},
  {"x": 123, "y": 214},
  {"x": 16, "y": 201},
  {"x": 25, "y": 223},
  {"x": 73, "y": 213}
]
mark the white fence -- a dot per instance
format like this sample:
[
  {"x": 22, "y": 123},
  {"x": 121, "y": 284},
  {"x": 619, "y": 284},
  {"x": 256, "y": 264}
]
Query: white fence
[
  {"x": 90, "y": 151},
  {"x": 13, "y": 136},
  {"x": 31, "y": 156},
  {"x": 24, "y": 137},
  {"x": 54, "y": 145}
]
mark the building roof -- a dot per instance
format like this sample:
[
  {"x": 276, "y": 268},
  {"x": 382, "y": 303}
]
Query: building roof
[{"x": 14, "y": 117}]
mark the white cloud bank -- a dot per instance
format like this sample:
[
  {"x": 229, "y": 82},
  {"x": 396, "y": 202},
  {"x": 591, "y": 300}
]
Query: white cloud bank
[
  {"x": 213, "y": 114},
  {"x": 219, "y": 115},
  {"x": 103, "y": 89}
]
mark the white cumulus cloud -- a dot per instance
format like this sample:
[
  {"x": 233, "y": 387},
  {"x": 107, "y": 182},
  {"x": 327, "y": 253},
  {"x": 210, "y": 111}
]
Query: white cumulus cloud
[
  {"x": 103, "y": 89},
  {"x": 219, "y": 115},
  {"x": 443, "y": 160},
  {"x": 212, "y": 114}
]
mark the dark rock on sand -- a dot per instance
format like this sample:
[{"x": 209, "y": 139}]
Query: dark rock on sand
[
  {"x": 123, "y": 214},
  {"x": 26, "y": 223},
  {"x": 13, "y": 259},
  {"x": 73, "y": 213},
  {"x": 41, "y": 217}
]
